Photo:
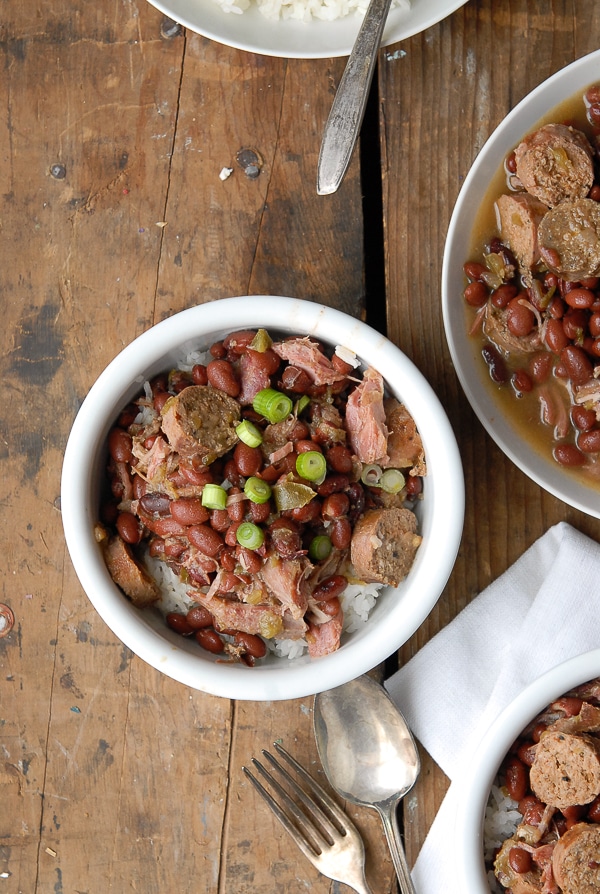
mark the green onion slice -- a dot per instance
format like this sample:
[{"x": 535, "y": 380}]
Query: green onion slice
[
  {"x": 249, "y": 433},
  {"x": 371, "y": 475},
  {"x": 301, "y": 404},
  {"x": 250, "y": 535},
  {"x": 273, "y": 405},
  {"x": 392, "y": 481},
  {"x": 311, "y": 465},
  {"x": 320, "y": 548},
  {"x": 257, "y": 490},
  {"x": 214, "y": 496}
]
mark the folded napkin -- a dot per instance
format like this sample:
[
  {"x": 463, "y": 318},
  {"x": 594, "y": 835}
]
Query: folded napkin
[{"x": 542, "y": 611}]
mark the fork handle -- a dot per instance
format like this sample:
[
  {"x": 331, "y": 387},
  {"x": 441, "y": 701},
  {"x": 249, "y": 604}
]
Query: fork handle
[{"x": 392, "y": 833}]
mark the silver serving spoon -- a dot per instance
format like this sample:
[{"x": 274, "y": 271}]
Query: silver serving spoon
[
  {"x": 348, "y": 109},
  {"x": 369, "y": 755}
]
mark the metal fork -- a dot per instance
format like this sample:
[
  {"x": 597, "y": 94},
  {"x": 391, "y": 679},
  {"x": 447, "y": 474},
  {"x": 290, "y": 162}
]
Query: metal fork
[{"x": 322, "y": 830}]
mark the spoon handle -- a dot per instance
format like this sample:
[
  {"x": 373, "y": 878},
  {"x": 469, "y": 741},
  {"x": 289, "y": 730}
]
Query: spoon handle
[
  {"x": 348, "y": 109},
  {"x": 392, "y": 833}
]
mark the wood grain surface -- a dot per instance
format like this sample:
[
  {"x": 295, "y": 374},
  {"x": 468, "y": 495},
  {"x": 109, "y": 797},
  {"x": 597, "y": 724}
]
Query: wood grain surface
[{"x": 113, "y": 215}]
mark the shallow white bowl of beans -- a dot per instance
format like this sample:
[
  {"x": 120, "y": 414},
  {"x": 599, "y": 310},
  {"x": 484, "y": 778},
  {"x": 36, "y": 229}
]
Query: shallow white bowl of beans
[
  {"x": 474, "y": 787},
  {"x": 397, "y": 613}
]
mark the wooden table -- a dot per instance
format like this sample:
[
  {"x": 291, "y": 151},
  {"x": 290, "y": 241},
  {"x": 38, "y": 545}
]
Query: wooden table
[{"x": 113, "y": 132}]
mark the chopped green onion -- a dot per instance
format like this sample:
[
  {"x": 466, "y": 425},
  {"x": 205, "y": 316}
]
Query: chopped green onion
[
  {"x": 392, "y": 481},
  {"x": 214, "y": 496},
  {"x": 311, "y": 465},
  {"x": 250, "y": 536},
  {"x": 257, "y": 490},
  {"x": 249, "y": 433},
  {"x": 320, "y": 548},
  {"x": 371, "y": 475},
  {"x": 273, "y": 405},
  {"x": 301, "y": 404}
]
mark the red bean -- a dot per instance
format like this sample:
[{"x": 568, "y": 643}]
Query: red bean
[
  {"x": 593, "y": 813},
  {"x": 210, "y": 640},
  {"x": 139, "y": 487},
  {"x": 307, "y": 446},
  {"x": 160, "y": 400},
  {"x": 248, "y": 559},
  {"x": 504, "y": 294},
  {"x": 474, "y": 270},
  {"x": 227, "y": 557},
  {"x": 476, "y": 294},
  {"x": 540, "y": 367},
  {"x": 165, "y": 526},
  {"x": 577, "y": 364},
  {"x": 155, "y": 503},
  {"x": 594, "y": 324},
  {"x": 568, "y": 455},
  {"x": 589, "y": 441},
  {"x": 330, "y": 588},
  {"x": 300, "y": 431},
  {"x": 199, "y": 374},
  {"x": 575, "y": 323},
  {"x": 308, "y": 513},
  {"x": 248, "y": 460},
  {"x": 237, "y": 342},
  {"x": 119, "y": 445},
  {"x": 295, "y": 380},
  {"x": 555, "y": 336},
  {"x": 495, "y": 364},
  {"x": 221, "y": 375},
  {"x": 198, "y": 617},
  {"x": 519, "y": 860},
  {"x": 341, "y": 366},
  {"x": 526, "y": 753},
  {"x": 197, "y": 477},
  {"x": 128, "y": 527},
  {"x": 516, "y": 778},
  {"x": 259, "y": 512},
  {"x": 333, "y": 484},
  {"x": 205, "y": 538},
  {"x": 581, "y": 298},
  {"x": 511, "y": 163},
  {"x": 335, "y": 505},
  {"x": 218, "y": 350},
  {"x": 265, "y": 362},
  {"x": 236, "y": 511},
  {"x": 414, "y": 485},
  {"x": 189, "y": 511},
  {"x": 340, "y": 533},
  {"x": 582, "y": 418},
  {"x": 179, "y": 622},
  {"x": 339, "y": 459},
  {"x": 174, "y": 548},
  {"x": 251, "y": 644},
  {"x": 532, "y": 809},
  {"x": 332, "y": 607},
  {"x": 520, "y": 319},
  {"x": 521, "y": 381},
  {"x": 557, "y": 308},
  {"x": 219, "y": 520}
]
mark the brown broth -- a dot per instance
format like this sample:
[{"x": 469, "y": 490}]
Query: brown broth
[{"x": 524, "y": 411}]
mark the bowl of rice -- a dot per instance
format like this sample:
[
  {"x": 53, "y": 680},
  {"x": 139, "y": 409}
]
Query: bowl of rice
[
  {"x": 505, "y": 812},
  {"x": 302, "y": 29},
  {"x": 377, "y": 619}
]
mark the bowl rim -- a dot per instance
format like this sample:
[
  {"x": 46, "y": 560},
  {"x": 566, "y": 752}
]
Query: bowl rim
[
  {"x": 475, "y": 784},
  {"x": 435, "y": 558},
  {"x": 533, "y": 108}
]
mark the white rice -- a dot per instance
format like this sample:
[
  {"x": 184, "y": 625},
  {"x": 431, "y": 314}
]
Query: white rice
[
  {"x": 304, "y": 10},
  {"x": 357, "y": 601},
  {"x": 500, "y": 821}
]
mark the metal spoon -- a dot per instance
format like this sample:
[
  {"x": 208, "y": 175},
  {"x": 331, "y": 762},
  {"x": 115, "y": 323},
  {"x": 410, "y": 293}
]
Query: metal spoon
[
  {"x": 369, "y": 755},
  {"x": 348, "y": 109}
]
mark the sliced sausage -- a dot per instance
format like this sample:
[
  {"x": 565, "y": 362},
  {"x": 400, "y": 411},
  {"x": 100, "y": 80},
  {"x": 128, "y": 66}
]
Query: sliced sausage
[
  {"x": 384, "y": 545},
  {"x": 566, "y": 769},
  {"x": 555, "y": 163},
  {"x": 569, "y": 239},
  {"x": 200, "y": 422},
  {"x": 576, "y": 859},
  {"x": 128, "y": 574},
  {"x": 519, "y": 216},
  {"x": 404, "y": 447}
]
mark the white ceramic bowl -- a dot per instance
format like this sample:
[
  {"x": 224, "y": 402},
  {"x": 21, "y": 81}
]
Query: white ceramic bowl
[
  {"x": 475, "y": 787},
  {"x": 464, "y": 350},
  {"x": 291, "y": 38},
  {"x": 397, "y": 613}
]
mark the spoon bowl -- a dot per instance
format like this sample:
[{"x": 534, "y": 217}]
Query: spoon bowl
[{"x": 369, "y": 755}]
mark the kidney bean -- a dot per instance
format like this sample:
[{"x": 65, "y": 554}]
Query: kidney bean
[
  {"x": 510, "y": 163},
  {"x": 526, "y": 753},
  {"x": 179, "y": 622},
  {"x": 414, "y": 485},
  {"x": 217, "y": 350},
  {"x": 341, "y": 366},
  {"x": 330, "y": 588},
  {"x": 248, "y": 559},
  {"x": 227, "y": 557},
  {"x": 237, "y": 342},
  {"x": 259, "y": 512},
  {"x": 333, "y": 484},
  {"x": 519, "y": 860},
  {"x": 577, "y": 364},
  {"x": 189, "y": 511},
  {"x": 589, "y": 441},
  {"x": 582, "y": 418},
  {"x": 308, "y": 513},
  {"x": 174, "y": 548},
  {"x": 540, "y": 367},
  {"x": 594, "y": 347},
  {"x": 155, "y": 503},
  {"x": 569, "y": 704},
  {"x": 306, "y": 446},
  {"x": 219, "y": 520},
  {"x": 300, "y": 431},
  {"x": 589, "y": 282},
  {"x": 165, "y": 526},
  {"x": 474, "y": 270},
  {"x": 573, "y": 814},
  {"x": 197, "y": 477},
  {"x": 198, "y": 617},
  {"x": 495, "y": 364},
  {"x": 581, "y": 298},
  {"x": 285, "y": 538},
  {"x": 139, "y": 487},
  {"x": 335, "y": 505},
  {"x": 557, "y": 308},
  {"x": 538, "y": 730},
  {"x": 550, "y": 256},
  {"x": 594, "y": 324},
  {"x": 568, "y": 455},
  {"x": 251, "y": 644},
  {"x": 178, "y": 380},
  {"x": 532, "y": 809},
  {"x": 331, "y": 608},
  {"x": 127, "y": 415},
  {"x": 521, "y": 381},
  {"x": 128, "y": 527},
  {"x": 520, "y": 319},
  {"x": 221, "y": 375},
  {"x": 340, "y": 533},
  {"x": 503, "y": 295},
  {"x": 209, "y": 639},
  {"x": 159, "y": 401},
  {"x": 476, "y": 294},
  {"x": 267, "y": 362},
  {"x": 295, "y": 380},
  {"x": 593, "y": 813},
  {"x": 555, "y": 336},
  {"x": 205, "y": 538},
  {"x": 339, "y": 459},
  {"x": 156, "y": 547},
  {"x": 575, "y": 323},
  {"x": 516, "y": 778},
  {"x": 236, "y": 511},
  {"x": 248, "y": 460},
  {"x": 119, "y": 445},
  {"x": 199, "y": 374}
]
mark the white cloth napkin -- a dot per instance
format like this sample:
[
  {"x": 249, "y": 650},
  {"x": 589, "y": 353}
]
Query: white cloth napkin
[{"x": 542, "y": 611}]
